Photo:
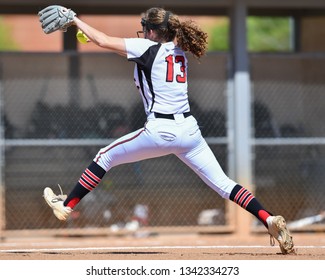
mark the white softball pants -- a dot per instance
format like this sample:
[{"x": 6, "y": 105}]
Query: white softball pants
[{"x": 161, "y": 137}]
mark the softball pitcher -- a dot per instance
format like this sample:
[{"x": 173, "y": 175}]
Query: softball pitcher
[{"x": 160, "y": 74}]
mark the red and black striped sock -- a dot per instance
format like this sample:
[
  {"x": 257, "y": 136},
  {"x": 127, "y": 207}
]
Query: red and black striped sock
[
  {"x": 87, "y": 182},
  {"x": 246, "y": 200}
]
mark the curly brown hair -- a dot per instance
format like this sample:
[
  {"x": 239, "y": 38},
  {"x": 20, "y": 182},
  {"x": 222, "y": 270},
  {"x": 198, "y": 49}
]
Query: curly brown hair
[{"x": 189, "y": 36}]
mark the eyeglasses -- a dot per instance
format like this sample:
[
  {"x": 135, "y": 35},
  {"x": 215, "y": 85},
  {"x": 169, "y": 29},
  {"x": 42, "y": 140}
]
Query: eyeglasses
[
  {"x": 143, "y": 31},
  {"x": 140, "y": 34}
]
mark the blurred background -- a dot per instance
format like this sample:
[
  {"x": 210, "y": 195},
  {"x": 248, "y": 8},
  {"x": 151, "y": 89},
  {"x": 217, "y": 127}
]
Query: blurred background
[{"x": 258, "y": 95}]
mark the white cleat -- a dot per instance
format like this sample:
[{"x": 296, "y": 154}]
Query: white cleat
[
  {"x": 278, "y": 230},
  {"x": 56, "y": 203}
]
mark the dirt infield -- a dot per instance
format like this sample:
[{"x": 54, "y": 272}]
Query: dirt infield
[{"x": 310, "y": 246}]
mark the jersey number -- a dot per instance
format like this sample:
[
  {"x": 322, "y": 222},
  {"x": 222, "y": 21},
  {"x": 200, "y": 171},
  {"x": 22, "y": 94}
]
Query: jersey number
[{"x": 181, "y": 78}]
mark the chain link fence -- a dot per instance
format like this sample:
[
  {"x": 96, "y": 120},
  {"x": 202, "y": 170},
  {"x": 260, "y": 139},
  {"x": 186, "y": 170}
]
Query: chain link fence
[
  {"x": 58, "y": 110},
  {"x": 289, "y": 132}
]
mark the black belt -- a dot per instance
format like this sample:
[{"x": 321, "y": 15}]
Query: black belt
[{"x": 170, "y": 116}]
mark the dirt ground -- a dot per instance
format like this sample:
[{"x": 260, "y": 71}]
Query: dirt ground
[{"x": 309, "y": 246}]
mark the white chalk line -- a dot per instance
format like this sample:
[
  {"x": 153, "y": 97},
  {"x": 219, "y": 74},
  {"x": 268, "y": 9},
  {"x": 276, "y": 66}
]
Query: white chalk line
[{"x": 34, "y": 250}]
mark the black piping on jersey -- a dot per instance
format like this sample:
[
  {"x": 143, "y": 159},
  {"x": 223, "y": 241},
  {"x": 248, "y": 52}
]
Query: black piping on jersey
[
  {"x": 144, "y": 63},
  {"x": 141, "y": 84}
]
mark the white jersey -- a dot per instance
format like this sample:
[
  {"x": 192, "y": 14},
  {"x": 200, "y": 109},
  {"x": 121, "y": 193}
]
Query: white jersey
[{"x": 160, "y": 74}]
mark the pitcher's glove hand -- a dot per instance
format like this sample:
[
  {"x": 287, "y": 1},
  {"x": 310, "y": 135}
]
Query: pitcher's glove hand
[{"x": 56, "y": 17}]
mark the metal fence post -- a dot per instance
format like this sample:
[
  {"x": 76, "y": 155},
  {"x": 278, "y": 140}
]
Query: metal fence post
[{"x": 241, "y": 107}]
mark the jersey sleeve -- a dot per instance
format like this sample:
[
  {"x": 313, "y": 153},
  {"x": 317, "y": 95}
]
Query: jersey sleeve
[{"x": 136, "y": 47}]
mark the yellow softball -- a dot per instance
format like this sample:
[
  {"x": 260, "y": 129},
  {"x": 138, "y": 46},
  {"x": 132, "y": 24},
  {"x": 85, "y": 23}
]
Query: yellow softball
[{"x": 82, "y": 38}]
